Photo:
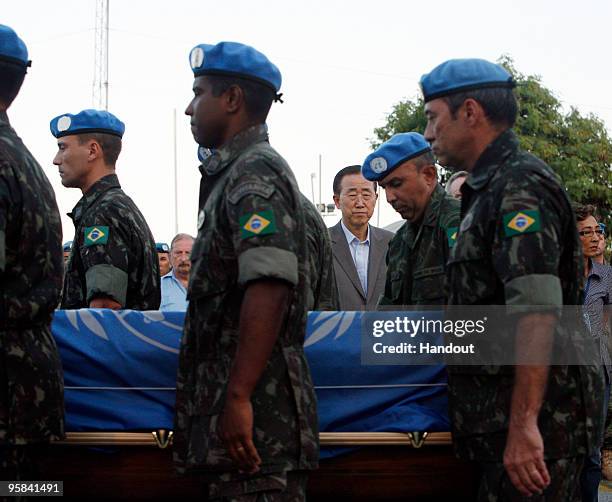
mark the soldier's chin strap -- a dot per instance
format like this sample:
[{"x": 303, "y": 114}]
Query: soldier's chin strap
[{"x": 278, "y": 97}]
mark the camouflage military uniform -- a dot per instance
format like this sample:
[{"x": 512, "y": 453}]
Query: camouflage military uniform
[
  {"x": 417, "y": 255},
  {"x": 113, "y": 253},
  {"x": 322, "y": 278},
  {"x": 31, "y": 266},
  {"x": 251, "y": 226},
  {"x": 517, "y": 245}
]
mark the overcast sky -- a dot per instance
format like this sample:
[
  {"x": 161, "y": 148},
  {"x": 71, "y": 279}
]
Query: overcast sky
[{"x": 344, "y": 65}]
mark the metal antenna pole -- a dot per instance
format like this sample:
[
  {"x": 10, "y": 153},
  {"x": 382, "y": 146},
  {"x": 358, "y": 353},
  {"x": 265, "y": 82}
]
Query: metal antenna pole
[
  {"x": 175, "y": 179},
  {"x": 99, "y": 94},
  {"x": 106, "y": 54},
  {"x": 319, "y": 178},
  {"x": 312, "y": 177}
]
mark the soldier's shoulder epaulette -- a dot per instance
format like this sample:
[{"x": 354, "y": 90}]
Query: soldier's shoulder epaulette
[
  {"x": 524, "y": 165},
  {"x": 113, "y": 198},
  {"x": 400, "y": 235},
  {"x": 450, "y": 212},
  {"x": 264, "y": 156}
]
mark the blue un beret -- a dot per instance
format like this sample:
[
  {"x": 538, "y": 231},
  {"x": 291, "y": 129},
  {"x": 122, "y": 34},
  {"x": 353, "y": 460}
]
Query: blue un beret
[
  {"x": 12, "y": 48},
  {"x": 458, "y": 75},
  {"x": 162, "y": 247},
  {"x": 392, "y": 153},
  {"x": 85, "y": 122},
  {"x": 67, "y": 246},
  {"x": 234, "y": 59}
]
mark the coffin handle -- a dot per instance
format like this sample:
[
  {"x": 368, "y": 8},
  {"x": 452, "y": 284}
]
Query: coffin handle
[{"x": 163, "y": 437}]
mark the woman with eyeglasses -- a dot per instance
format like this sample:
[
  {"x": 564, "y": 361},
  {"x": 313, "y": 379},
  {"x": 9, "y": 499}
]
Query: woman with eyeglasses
[{"x": 597, "y": 294}]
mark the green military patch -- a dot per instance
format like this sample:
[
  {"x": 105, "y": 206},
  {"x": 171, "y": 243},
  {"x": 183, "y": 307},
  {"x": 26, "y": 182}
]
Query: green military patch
[
  {"x": 260, "y": 223},
  {"x": 96, "y": 235},
  {"x": 522, "y": 222},
  {"x": 451, "y": 234}
]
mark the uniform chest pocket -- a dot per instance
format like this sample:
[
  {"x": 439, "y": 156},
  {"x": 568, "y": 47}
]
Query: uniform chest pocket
[
  {"x": 429, "y": 286},
  {"x": 396, "y": 283}
]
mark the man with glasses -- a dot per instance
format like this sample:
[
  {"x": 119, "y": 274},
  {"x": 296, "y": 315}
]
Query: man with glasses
[{"x": 359, "y": 248}]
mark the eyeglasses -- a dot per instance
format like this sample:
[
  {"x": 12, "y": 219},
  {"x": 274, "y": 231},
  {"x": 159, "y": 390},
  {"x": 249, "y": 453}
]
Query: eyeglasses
[{"x": 589, "y": 233}]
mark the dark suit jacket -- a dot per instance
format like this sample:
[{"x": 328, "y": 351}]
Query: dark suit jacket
[{"x": 350, "y": 291}]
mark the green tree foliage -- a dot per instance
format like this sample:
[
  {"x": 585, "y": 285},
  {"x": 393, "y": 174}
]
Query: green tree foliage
[{"x": 577, "y": 147}]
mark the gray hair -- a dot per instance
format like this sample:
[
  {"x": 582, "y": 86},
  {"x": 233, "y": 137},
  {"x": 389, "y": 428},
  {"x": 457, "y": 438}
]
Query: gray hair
[
  {"x": 457, "y": 175},
  {"x": 180, "y": 237}
]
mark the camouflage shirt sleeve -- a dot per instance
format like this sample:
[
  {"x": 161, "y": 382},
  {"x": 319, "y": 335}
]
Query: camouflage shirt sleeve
[
  {"x": 261, "y": 215},
  {"x": 104, "y": 253},
  {"x": 396, "y": 269},
  {"x": 526, "y": 248},
  {"x": 4, "y": 209}
]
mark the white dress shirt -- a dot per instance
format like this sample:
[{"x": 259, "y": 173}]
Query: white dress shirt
[{"x": 360, "y": 251}]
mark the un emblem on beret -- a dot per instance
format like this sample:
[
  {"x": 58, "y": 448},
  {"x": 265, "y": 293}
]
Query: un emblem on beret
[
  {"x": 378, "y": 165},
  {"x": 63, "y": 124},
  {"x": 196, "y": 57}
]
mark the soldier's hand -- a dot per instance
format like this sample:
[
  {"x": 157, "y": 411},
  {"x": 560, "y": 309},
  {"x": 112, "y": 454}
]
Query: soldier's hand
[
  {"x": 524, "y": 459},
  {"x": 236, "y": 432}
]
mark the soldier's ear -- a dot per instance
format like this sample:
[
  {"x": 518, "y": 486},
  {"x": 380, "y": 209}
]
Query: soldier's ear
[
  {"x": 431, "y": 174},
  {"x": 95, "y": 150},
  {"x": 472, "y": 111},
  {"x": 234, "y": 98}
]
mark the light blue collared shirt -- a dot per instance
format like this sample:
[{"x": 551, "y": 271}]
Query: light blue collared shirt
[
  {"x": 360, "y": 251},
  {"x": 173, "y": 294}
]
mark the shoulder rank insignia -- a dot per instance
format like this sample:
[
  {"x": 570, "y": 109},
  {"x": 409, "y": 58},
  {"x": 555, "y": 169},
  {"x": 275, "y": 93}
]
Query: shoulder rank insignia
[
  {"x": 250, "y": 188},
  {"x": 260, "y": 223},
  {"x": 451, "y": 233},
  {"x": 96, "y": 235},
  {"x": 522, "y": 222}
]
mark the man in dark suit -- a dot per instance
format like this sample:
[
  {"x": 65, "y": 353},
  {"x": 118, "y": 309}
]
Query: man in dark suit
[{"x": 359, "y": 248}]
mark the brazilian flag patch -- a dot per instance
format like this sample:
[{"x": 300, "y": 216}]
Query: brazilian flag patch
[
  {"x": 451, "y": 233},
  {"x": 96, "y": 235},
  {"x": 522, "y": 222},
  {"x": 260, "y": 223}
]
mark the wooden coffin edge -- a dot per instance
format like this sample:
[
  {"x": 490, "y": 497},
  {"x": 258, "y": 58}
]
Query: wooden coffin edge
[{"x": 163, "y": 438}]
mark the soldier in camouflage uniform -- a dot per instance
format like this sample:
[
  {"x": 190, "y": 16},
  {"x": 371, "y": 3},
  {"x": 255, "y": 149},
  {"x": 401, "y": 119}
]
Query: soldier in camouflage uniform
[
  {"x": 529, "y": 427},
  {"x": 322, "y": 278},
  {"x": 417, "y": 255},
  {"x": 246, "y": 414},
  {"x": 113, "y": 262},
  {"x": 31, "y": 266}
]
